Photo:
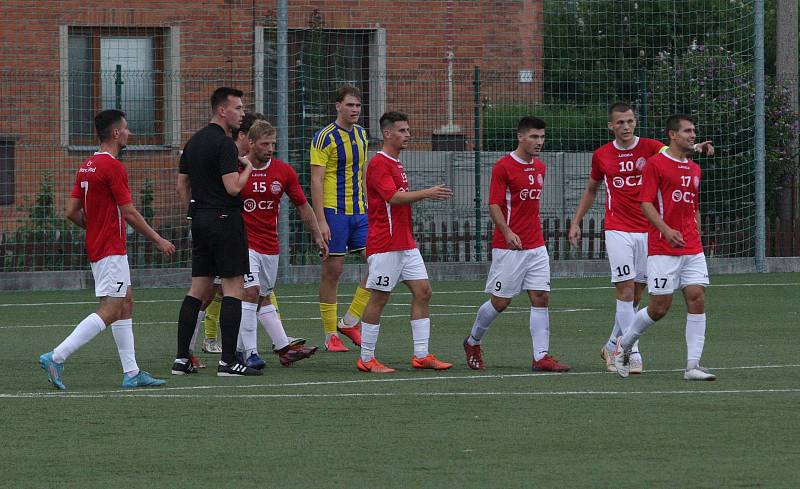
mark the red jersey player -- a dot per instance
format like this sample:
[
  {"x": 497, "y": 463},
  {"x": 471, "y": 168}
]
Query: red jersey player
[
  {"x": 392, "y": 254},
  {"x": 618, "y": 164},
  {"x": 268, "y": 181},
  {"x": 101, "y": 203},
  {"x": 519, "y": 257},
  {"x": 670, "y": 199}
]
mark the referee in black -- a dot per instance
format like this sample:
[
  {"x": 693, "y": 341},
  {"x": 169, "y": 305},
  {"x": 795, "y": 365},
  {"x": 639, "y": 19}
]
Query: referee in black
[{"x": 209, "y": 181}]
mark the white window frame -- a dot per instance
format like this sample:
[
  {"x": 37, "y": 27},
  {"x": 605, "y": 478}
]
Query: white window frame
[{"x": 172, "y": 93}]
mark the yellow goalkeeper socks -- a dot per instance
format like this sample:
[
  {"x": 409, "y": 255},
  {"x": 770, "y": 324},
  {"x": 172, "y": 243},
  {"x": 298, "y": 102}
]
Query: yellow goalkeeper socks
[
  {"x": 274, "y": 301},
  {"x": 328, "y": 313},
  {"x": 357, "y": 307},
  {"x": 211, "y": 322}
]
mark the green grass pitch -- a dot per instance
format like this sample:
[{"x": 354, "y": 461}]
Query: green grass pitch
[{"x": 323, "y": 424}]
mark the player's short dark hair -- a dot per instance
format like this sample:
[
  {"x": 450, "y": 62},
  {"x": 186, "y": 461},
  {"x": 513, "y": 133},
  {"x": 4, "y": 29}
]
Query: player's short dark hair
[
  {"x": 389, "y": 118},
  {"x": 674, "y": 122},
  {"x": 220, "y": 96},
  {"x": 247, "y": 122},
  {"x": 528, "y": 122},
  {"x": 104, "y": 122},
  {"x": 619, "y": 107},
  {"x": 346, "y": 90}
]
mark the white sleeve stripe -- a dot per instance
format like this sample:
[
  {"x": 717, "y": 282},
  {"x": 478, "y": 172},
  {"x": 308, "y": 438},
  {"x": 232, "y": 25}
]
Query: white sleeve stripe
[
  {"x": 389, "y": 216},
  {"x": 508, "y": 206},
  {"x": 121, "y": 227}
]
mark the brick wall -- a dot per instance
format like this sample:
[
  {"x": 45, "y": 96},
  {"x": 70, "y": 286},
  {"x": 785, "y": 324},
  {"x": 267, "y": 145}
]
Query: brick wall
[{"x": 500, "y": 37}]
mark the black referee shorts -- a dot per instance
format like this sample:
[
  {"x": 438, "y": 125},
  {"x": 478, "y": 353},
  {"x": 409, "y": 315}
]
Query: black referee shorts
[{"x": 219, "y": 244}]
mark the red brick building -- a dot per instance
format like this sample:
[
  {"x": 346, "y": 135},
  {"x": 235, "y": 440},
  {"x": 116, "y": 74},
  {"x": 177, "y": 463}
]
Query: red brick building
[{"x": 61, "y": 61}]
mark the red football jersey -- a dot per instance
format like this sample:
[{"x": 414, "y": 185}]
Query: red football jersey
[
  {"x": 621, "y": 171},
  {"x": 101, "y": 184},
  {"x": 516, "y": 186},
  {"x": 389, "y": 224},
  {"x": 673, "y": 187},
  {"x": 262, "y": 203}
]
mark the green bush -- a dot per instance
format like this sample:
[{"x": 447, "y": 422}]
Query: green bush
[
  {"x": 598, "y": 50},
  {"x": 714, "y": 85},
  {"x": 782, "y": 128},
  {"x": 569, "y": 127},
  {"x": 41, "y": 238}
]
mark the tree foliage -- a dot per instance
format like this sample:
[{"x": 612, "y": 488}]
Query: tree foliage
[{"x": 599, "y": 50}]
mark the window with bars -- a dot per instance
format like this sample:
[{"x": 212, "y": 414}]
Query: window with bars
[
  {"x": 319, "y": 61},
  {"x": 7, "y": 170},
  {"x": 121, "y": 68}
]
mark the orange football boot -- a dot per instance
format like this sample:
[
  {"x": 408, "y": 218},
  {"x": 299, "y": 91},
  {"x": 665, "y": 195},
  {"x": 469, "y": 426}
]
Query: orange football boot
[
  {"x": 429, "y": 362},
  {"x": 373, "y": 366}
]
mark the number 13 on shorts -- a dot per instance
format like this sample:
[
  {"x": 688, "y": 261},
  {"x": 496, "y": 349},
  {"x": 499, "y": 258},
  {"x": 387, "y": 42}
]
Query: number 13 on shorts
[{"x": 381, "y": 281}]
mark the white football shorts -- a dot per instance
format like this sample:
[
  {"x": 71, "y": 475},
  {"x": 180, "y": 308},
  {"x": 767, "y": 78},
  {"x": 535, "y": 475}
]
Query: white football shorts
[
  {"x": 668, "y": 273},
  {"x": 263, "y": 272},
  {"x": 386, "y": 269},
  {"x": 112, "y": 276},
  {"x": 627, "y": 255},
  {"x": 513, "y": 271}
]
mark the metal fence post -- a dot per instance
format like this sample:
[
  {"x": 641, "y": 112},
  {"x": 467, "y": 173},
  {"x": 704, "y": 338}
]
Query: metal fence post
[
  {"x": 477, "y": 149},
  {"x": 283, "y": 124},
  {"x": 760, "y": 142}
]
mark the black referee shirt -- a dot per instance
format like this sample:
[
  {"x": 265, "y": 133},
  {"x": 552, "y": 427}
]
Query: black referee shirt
[{"x": 208, "y": 155}]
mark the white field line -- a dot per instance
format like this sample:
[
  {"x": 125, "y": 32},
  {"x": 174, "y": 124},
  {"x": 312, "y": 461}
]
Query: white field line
[
  {"x": 405, "y": 394},
  {"x": 471, "y": 312},
  {"x": 414, "y": 394},
  {"x": 282, "y": 298},
  {"x": 197, "y": 391}
]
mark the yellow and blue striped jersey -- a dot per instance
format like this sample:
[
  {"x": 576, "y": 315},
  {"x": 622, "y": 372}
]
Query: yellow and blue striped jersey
[{"x": 344, "y": 155}]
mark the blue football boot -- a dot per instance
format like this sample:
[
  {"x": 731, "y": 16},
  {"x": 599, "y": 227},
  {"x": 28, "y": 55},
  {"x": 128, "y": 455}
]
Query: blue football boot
[
  {"x": 53, "y": 370},
  {"x": 142, "y": 379}
]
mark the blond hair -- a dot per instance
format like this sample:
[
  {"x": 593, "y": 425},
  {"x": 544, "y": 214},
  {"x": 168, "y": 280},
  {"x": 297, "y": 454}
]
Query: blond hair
[{"x": 259, "y": 129}]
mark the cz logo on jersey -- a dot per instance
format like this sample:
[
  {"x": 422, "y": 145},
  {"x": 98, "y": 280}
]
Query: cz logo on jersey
[
  {"x": 680, "y": 196},
  {"x": 530, "y": 194},
  {"x": 251, "y": 205},
  {"x": 629, "y": 181}
]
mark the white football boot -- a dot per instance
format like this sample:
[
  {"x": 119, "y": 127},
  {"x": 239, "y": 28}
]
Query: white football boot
[
  {"x": 622, "y": 359},
  {"x": 698, "y": 373},
  {"x": 608, "y": 358},
  {"x": 636, "y": 363}
]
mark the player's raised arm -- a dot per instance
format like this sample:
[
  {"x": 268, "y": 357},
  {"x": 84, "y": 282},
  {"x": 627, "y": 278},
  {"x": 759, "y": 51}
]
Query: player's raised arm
[
  {"x": 437, "y": 192},
  {"x": 234, "y": 182},
  {"x": 706, "y": 148}
]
